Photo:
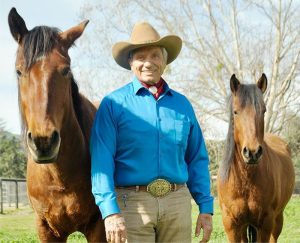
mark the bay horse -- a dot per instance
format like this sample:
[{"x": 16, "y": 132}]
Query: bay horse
[
  {"x": 256, "y": 177},
  {"x": 56, "y": 123}
]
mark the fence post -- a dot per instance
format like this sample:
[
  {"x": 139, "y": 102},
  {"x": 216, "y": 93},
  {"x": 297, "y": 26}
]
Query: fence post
[
  {"x": 17, "y": 195},
  {"x": 1, "y": 196}
]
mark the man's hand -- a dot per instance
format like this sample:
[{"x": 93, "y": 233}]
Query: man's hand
[
  {"x": 115, "y": 228},
  {"x": 204, "y": 222}
]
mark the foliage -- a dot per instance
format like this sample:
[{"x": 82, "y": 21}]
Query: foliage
[
  {"x": 291, "y": 133},
  {"x": 215, "y": 153},
  {"x": 12, "y": 156}
]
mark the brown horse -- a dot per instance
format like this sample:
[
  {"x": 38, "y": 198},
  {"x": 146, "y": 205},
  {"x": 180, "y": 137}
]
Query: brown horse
[
  {"x": 256, "y": 177},
  {"x": 56, "y": 123}
]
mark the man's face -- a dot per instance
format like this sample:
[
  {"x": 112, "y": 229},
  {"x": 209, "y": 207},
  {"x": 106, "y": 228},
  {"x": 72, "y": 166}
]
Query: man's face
[{"x": 148, "y": 64}]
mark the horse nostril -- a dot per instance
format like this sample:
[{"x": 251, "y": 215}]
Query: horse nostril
[
  {"x": 246, "y": 152},
  {"x": 259, "y": 152},
  {"x": 29, "y": 136},
  {"x": 54, "y": 137},
  {"x": 30, "y": 141}
]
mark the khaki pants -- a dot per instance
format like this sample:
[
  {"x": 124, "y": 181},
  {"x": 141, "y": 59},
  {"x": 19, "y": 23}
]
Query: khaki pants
[{"x": 150, "y": 219}]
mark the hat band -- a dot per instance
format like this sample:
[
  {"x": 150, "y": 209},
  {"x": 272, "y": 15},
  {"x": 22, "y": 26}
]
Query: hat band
[{"x": 144, "y": 42}]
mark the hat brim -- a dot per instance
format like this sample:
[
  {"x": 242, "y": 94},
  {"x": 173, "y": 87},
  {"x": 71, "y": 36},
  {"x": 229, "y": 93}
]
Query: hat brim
[{"x": 171, "y": 43}]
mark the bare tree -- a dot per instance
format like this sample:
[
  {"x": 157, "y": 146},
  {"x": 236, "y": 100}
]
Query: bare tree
[
  {"x": 220, "y": 38},
  {"x": 283, "y": 90}
]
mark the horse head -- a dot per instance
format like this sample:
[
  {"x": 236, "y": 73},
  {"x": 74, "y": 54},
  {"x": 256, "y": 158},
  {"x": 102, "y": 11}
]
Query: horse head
[
  {"x": 45, "y": 84},
  {"x": 247, "y": 112}
]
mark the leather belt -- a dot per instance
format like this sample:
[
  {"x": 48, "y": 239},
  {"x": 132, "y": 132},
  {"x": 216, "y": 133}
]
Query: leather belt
[{"x": 157, "y": 188}]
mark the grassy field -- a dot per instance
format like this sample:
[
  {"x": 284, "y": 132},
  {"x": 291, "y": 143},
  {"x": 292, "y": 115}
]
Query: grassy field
[{"x": 18, "y": 225}]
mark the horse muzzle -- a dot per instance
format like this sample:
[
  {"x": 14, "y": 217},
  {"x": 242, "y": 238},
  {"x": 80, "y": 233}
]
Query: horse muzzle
[
  {"x": 44, "y": 149},
  {"x": 251, "y": 157}
]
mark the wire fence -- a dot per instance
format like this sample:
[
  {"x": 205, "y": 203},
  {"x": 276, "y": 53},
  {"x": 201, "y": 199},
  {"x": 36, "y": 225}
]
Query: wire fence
[{"x": 13, "y": 194}]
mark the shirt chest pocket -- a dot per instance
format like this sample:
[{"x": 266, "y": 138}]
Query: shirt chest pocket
[
  {"x": 182, "y": 130},
  {"x": 175, "y": 131}
]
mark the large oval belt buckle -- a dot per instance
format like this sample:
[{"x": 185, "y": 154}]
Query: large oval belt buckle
[{"x": 159, "y": 188}]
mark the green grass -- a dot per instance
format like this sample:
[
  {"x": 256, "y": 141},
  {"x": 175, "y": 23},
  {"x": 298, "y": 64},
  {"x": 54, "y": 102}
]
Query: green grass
[{"x": 19, "y": 226}]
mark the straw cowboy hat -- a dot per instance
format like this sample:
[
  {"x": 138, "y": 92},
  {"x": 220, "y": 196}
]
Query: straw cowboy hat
[{"x": 143, "y": 34}]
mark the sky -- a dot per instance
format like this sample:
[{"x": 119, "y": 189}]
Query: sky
[{"x": 56, "y": 13}]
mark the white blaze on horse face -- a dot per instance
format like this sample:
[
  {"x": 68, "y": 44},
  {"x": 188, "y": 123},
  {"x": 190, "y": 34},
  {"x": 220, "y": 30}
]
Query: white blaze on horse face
[
  {"x": 40, "y": 123},
  {"x": 40, "y": 58}
]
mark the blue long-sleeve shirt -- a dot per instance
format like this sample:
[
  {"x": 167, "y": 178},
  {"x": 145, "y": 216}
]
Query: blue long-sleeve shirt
[{"x": 137, "y": 139}]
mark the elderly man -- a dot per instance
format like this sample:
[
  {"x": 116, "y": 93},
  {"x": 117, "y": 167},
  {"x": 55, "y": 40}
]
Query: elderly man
[{"x": 148, "y": 152}]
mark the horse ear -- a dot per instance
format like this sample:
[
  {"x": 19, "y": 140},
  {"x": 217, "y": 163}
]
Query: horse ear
[
  {"x": 17, "y": 25},
  {"x": 234, "y": 83},
  {"x": 262, "y": 83},
  {"x": 69, "y": 36}
]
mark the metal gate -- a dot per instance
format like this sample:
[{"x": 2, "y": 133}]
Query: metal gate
[{"x": 13, "y": 193}]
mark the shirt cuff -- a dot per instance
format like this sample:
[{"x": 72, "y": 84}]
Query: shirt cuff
[
  {"x": 207, "y": 207},
  {"x": 109, "y": 207}
]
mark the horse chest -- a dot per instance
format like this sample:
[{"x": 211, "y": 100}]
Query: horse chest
[
  {"x": 67, "y": 207},
  {"x": 241, "y": 201},
  {"x": 64, "y": 213},
  {"x": 56, "y": 202},
  {"x": 246, "y": 211}
]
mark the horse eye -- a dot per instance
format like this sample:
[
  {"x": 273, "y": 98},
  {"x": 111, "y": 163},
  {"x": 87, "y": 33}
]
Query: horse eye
[
  {"x": 235, "y": 112},
  {"x": 19, "y": 73},
  {"x": 66, "y": 71}
]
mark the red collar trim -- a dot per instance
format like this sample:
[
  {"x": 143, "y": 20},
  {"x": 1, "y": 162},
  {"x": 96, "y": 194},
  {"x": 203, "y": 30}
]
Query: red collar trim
[{"x": 159, "y": 85}]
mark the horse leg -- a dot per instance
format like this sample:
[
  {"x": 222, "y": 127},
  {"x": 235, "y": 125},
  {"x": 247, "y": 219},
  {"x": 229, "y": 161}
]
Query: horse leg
[
  {"x": 46, "y": 234},
  {"x": 95, "y": 231},
  {"x": 234, "y": 232},
  {"x": 264, "y": 233},
  {"x": 233, "y": 235},
  {"x": 277, "y": 227}
]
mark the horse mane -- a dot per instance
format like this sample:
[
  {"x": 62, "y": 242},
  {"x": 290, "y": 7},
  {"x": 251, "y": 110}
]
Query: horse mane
[
  {"x": 248, "y": 94},
  {"x": 39, "y": 42}
]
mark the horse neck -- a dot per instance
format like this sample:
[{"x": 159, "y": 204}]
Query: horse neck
[{"x": 73, "y": 137}]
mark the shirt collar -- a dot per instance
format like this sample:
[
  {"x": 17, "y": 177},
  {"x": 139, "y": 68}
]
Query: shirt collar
[{"x": 138, "y": 86}]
